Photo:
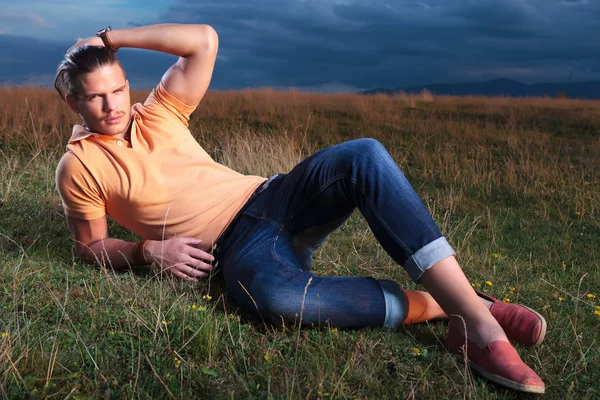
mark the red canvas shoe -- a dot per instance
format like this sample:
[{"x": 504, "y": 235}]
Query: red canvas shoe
[
  {"x": 520, "y": 323},
  {"x": 498, "y": 362}
]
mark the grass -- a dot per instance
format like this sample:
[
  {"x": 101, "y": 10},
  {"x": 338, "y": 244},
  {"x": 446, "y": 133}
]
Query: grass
[{"x": 513, "y": 183}]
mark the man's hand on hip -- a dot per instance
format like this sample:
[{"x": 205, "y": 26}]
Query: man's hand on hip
[{"x": 181, "y": 257}]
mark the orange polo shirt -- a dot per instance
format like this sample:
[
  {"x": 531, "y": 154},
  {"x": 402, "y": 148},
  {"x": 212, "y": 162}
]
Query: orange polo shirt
[{"x": 161, "y": 185}]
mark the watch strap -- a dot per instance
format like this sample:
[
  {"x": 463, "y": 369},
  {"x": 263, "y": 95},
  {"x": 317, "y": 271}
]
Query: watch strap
[{"x": 103, "y": 35}]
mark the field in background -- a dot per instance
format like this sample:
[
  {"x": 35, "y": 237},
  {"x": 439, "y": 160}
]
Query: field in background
[{"x": 513, "y": 183}]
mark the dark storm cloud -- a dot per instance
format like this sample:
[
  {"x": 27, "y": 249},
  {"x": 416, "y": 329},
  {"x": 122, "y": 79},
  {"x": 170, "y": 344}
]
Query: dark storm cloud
[
  {"x": 496, "y": 20},
  {"x": 263, "y": 43},
  {"x": 31, "y": 61},
  {"x": 385, "y": 43},
  {"x": 22, "y": 19},
  {"x": 26, "y": 58},
  {"x": 364, "y": 44}
]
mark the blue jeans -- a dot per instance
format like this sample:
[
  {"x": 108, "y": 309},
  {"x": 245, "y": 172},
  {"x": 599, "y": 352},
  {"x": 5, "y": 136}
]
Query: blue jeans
[{"x": 265, "y": 254}]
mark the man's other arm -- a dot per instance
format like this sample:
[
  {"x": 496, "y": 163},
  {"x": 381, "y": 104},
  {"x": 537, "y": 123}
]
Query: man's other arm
[{"x": 180, "y": 257}]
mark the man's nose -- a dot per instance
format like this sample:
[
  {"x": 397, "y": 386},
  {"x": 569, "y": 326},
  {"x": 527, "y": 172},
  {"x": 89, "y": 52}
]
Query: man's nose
[{"x": 110, "y": 104}]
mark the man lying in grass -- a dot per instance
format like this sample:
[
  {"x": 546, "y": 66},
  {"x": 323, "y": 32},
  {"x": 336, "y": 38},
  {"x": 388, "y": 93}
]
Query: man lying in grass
[{"x": 141, "y": 165}]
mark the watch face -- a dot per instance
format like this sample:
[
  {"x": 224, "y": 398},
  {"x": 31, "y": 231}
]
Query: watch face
[{"x": 104, "y": 30}]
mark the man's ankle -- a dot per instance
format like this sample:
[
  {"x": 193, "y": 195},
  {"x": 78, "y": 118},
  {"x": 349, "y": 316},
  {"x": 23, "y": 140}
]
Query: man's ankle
[{"x": 480, "y": 332}]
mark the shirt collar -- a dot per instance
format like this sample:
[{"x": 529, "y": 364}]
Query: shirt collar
[{"x": 79, "y": 133}]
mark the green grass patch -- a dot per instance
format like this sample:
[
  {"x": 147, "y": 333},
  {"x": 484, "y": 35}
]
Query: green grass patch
[{"x": 514, "y": 186}]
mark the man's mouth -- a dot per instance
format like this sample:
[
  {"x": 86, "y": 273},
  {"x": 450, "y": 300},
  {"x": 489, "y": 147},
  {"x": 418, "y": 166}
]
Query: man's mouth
[{"x": 113, "y": 120}]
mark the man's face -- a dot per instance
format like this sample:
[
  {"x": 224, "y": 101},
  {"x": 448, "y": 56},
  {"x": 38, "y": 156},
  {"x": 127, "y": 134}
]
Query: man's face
[{"x": 103, "y": 101}]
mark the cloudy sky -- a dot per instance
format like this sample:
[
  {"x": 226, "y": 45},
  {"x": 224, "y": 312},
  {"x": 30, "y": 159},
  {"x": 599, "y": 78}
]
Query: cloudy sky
[{"x": 324, "y": 45}]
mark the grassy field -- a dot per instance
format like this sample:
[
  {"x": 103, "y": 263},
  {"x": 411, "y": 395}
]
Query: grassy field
[{"x": 514, "y": 184}]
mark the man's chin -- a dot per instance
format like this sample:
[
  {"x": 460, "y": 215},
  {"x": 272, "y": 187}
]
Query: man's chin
[{"x": 112, "y": 130}]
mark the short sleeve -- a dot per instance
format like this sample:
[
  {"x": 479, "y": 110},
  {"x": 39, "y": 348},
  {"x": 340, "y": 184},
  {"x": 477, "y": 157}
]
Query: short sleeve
[
  {"x": 160, "y": 97},
  {"x": 79, "y": 192}
]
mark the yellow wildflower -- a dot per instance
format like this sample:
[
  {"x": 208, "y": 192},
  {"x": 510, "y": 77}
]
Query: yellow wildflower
[
  {"x": 591, "y": 296},
  {"x": 597, "y": 312},
  {"x": 335, "y": 330},
  {"x": 561, "y": 299},
  {"x": 496, "y": 255},
  {"x": 201, "y": 308},
  {"x": 506, "y": 300},
  {"x": 489, "y": 283},
  {"x": 512, "y": 289},
  {"x": 267, "y": 357},
  {"x": 577, "y": 213},
  {"x": 416, "y": 351},
  {"x": 5, "y": 334},
  {"x": 207, "y": 297},
  {"x": 177, "y": 362}
]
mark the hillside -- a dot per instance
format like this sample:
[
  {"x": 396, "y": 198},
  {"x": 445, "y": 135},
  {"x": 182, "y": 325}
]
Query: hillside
[{"x": 504, "y": 87}]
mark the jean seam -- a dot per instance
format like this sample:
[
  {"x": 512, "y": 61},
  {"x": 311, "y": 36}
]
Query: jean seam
[
  {"x": 276, "y": 255},
  {"x": 354, "y": 182},
  {"x": 238, "y": 247}
]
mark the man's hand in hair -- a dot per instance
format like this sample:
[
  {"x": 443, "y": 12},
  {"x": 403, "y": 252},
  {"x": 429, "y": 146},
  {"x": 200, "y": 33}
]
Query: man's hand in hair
[{"x": 92, "y": 41}]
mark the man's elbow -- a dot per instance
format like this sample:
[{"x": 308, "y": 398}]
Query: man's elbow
[
  {"x": 86, "y": 254},
  {"x": 209, "y": 42}
]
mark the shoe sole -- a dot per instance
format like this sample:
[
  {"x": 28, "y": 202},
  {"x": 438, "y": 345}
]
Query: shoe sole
[
  {"x": 507, "y": 383},
  {"x": 540, "y": 339}
]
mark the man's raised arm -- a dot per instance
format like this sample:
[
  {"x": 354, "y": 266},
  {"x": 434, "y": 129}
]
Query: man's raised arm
[{"x": 196, "y": 45}]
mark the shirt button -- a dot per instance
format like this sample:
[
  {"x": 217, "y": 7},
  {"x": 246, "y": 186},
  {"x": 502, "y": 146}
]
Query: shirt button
[{"x": 119, "y": 142}]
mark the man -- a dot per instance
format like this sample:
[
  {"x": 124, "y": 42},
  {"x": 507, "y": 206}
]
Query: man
[{"x": 142, "y": 166}]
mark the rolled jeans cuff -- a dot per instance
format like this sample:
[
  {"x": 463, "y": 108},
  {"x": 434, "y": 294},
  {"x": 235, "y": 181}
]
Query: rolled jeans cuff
[
  {"x": 427, "y": 257},
  {"x": 396, "y": 304}
]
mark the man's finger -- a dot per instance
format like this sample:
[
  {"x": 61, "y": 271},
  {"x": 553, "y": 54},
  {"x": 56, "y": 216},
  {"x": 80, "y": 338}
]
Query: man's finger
[
  {"x": 200, "y": 265},
  {"x": 183, "y": 271},
  {"x": 201, "y": 254},
  {"x": 182, "y": 276},
  {"x": 190, "y": 241},
  {"x": 190, "y": 271}
]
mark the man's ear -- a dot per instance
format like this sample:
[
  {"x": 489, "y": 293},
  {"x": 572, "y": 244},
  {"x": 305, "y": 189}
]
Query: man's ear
[{"x": 72, "y": 102}]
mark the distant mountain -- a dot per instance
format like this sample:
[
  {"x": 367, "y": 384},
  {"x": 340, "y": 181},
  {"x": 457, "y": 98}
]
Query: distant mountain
[{"x": 505, "y": 87}]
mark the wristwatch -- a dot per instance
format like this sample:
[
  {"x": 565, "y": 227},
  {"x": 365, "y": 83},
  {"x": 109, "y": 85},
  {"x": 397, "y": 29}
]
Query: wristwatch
[{"x": 103, "y": 34}]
